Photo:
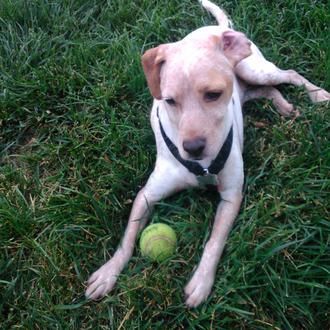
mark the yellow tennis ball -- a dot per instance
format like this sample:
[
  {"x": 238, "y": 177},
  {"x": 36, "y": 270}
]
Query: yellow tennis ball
[{"x": 158, "y": 242}]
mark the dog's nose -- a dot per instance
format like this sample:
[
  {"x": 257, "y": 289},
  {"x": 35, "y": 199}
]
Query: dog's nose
[{"x": 194, "y": 147}]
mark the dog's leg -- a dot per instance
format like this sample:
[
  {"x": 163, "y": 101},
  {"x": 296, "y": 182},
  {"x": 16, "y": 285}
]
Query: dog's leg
[
  {"x": 256, "y": 70},
  {"x": 200, "y": 285},
  {"x": 103, "y": 280},
  {"x": 159, "y": 185},
  {"x": 271, "y": 93}
]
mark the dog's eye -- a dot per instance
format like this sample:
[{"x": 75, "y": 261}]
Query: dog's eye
[
  {"x": 170, "y": 101},
  {"x": 212, "y": 96}
]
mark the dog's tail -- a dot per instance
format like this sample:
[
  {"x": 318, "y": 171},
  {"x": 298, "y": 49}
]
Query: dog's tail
[{"x": 218, "y": 13}]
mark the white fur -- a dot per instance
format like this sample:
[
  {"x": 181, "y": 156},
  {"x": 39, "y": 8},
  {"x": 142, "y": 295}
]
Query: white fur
[{"x": 169, "y": 176}]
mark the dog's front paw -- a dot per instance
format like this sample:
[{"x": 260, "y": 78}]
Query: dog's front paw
[
  {"x": 103, "y": 280},
  {"x": 198, "y": 288}
]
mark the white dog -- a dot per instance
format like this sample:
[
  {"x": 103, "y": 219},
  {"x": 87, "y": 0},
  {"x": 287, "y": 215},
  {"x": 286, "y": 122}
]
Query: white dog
[{"x": 199, "y": 85}]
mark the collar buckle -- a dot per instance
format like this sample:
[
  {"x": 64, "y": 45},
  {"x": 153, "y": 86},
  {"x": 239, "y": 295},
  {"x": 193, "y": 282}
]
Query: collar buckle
[{"x": 206, "y": 172}]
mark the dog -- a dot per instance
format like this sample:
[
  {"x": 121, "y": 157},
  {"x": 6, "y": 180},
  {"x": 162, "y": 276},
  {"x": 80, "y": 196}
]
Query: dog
[{"x": 199, "y": 85}]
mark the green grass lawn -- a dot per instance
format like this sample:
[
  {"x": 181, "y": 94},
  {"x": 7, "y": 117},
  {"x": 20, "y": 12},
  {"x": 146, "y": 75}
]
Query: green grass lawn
[{"x": 76, "y": 146}]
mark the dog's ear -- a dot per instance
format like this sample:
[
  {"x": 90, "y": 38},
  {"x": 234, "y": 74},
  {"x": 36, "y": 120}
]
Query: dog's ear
[
  {"x": 152, "y": 61},
  {"x": 235, "y": 46}
]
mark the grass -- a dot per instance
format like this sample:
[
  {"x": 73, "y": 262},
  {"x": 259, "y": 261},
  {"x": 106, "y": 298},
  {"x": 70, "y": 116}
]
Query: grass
[{"x": 76, "y": 145}]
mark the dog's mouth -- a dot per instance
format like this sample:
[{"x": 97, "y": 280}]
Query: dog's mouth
[
  {"x": 203, "y": 158},
  {"x": 199, "y": 158},
  {"x": 193, "y": 157}
]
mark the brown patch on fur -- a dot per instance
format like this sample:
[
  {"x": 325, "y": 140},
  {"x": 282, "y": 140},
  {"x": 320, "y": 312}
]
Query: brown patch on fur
[
  {"x": 152, "y": 61},
  {"x": 214, "y": 81}
]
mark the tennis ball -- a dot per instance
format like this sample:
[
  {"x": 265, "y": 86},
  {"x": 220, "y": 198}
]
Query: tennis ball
[{"x": 158, "y": 242}]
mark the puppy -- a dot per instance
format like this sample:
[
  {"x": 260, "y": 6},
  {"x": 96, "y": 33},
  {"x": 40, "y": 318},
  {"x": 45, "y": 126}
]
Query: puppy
[{"x": 199, "y": 85}]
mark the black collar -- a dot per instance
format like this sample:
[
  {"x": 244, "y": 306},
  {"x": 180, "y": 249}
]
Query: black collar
[{"x": 216, "y": 165}]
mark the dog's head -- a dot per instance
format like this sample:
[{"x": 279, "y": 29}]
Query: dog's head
[{"x": 194, "y": 79}]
